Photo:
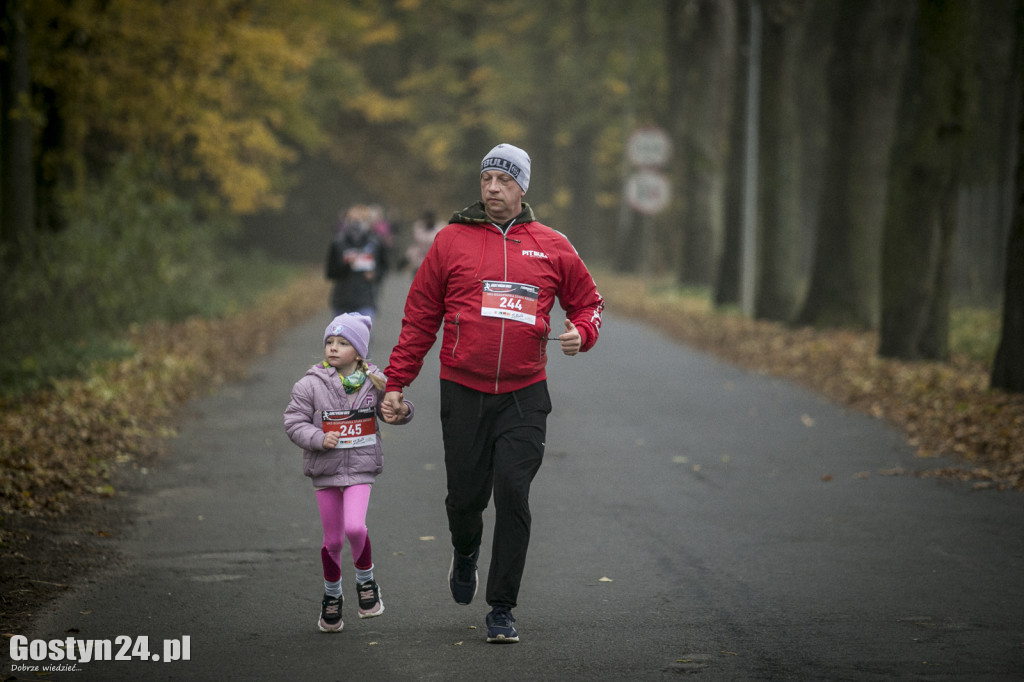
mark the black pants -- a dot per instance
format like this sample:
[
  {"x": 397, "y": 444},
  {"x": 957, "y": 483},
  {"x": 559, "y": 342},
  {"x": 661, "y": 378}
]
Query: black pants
[{"x": 493, "y": 443}]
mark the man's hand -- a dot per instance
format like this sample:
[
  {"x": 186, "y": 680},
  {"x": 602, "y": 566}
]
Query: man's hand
[
  {"x": 392, "y": 407},
  {"x": 571, "y": 340}
]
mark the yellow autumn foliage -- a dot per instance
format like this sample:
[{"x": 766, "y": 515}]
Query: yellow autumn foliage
[{"x": 213, "y": 88}]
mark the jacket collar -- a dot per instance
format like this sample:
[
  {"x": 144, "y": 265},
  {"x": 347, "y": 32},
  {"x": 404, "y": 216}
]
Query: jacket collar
[
  {"x": 329, "y": 377},
  {"x": 474, "y": 214}
]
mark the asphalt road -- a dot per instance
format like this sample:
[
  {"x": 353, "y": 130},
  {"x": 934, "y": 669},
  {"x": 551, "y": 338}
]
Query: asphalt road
[{"x": 690, "y": 519}]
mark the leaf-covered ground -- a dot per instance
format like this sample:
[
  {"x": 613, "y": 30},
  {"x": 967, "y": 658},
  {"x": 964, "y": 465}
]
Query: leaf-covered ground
[
  {"x": 944, "y": 408},
  {"x": 64, "y": 453}
]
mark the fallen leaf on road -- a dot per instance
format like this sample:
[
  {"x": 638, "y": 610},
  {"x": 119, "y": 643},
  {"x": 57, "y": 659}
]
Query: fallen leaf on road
[{"x": 605, "y": 580}]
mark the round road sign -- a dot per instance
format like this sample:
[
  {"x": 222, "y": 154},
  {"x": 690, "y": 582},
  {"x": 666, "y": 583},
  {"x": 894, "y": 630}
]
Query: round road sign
[{"x": 648, "y": 192}]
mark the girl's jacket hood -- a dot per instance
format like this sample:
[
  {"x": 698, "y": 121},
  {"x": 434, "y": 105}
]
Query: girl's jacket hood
[
  {"x": 321, "y": 389},
  {"x": 481, "y": 347}
]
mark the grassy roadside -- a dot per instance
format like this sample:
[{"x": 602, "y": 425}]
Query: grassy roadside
[
  {"x": 62, "y": 443},
  {"x": 943, "y": 408}
]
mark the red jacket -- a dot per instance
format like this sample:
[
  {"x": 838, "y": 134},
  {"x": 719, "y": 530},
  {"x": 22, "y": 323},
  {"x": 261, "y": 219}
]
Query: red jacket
[{"x": 493, "y": 293}]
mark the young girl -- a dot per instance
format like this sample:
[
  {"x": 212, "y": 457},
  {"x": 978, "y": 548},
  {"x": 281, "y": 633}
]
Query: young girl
[{"x": 332, "y": 416}]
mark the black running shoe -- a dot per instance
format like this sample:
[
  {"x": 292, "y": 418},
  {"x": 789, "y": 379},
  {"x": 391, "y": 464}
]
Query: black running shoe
[
  {"x": 370, "y": 603},
  {"x": 330, "y": 614},
  {"x": 500, "y": 628},
  {"x": 462, "y": 577}
]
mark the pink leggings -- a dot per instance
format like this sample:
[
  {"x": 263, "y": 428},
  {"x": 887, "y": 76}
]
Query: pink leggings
[{"x": 343, "y": 515}]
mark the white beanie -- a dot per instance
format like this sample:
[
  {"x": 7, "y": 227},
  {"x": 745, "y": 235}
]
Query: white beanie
[
  {"x": 511, "y": 160},
  {"x": 353, "y": 327}
]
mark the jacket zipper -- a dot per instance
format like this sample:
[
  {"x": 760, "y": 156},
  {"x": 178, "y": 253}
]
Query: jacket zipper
[
  {"x": 501, "y": 338},
  {"x": 458, "y": 334}
]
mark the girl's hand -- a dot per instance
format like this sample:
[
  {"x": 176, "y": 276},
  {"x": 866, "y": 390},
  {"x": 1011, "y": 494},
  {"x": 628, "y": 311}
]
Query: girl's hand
[
  {"x": 392, "y": 407},
  {"x": 331, "y": 440}
]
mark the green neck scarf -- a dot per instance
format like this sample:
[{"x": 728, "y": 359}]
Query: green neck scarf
[{"x": 353, "y": 382}]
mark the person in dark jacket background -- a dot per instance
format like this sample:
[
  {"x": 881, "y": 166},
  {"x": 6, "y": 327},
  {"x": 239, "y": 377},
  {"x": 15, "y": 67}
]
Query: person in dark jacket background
[
  {"x": 357, "y": 261},
  {"x": 491, "y": 278}
]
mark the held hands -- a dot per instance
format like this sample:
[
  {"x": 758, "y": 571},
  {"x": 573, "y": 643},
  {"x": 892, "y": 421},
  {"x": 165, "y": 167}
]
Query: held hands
[
  {"x": 571, "y": 339},
  {"x": 393, "y": 408}
]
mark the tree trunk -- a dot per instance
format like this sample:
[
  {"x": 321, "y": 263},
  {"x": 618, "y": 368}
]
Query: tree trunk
[
  {"x": 476, "y": 140},
  {"x": 781, "y": 197},
  {"x": 864, "y": 84},
  {"x": 1008, "y": 369},
  {"x": 17, "y": 161},
  {"x": 701, "y": 54},
  {"x": 986, "y": 195},
  {"x": 927, "y": 158},
  {"x": 727, "y": 278},
  {"x": 582, "y": 169}
]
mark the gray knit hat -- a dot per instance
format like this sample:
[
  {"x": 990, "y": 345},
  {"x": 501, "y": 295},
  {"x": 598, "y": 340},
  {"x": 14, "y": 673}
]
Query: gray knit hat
[{"x": 511, "y": 160}]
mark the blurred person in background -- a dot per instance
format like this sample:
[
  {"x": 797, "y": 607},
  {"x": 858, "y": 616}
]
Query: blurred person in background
[
  {"x": 356, "y": 263},
  {"x": 423, "y": 232}
]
